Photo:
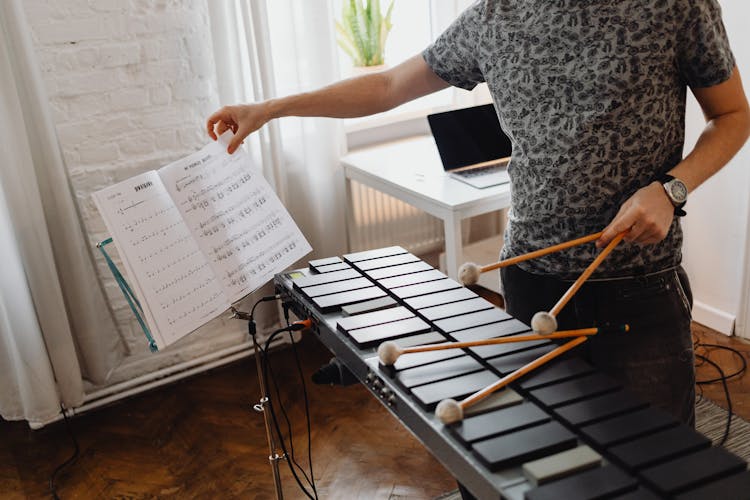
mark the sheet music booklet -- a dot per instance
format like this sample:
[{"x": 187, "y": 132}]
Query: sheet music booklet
[{"x": 196, "y": 236}]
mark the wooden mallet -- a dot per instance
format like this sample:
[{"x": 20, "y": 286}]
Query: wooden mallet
[
  {"x": 468, "y": 273},
  {"x": 389, "y": 351},
  {"x": 450, "y": 410},
  {"x": 545, "y": 322}
]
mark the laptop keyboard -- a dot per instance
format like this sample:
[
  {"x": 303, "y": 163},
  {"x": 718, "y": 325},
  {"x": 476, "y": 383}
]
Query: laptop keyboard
[{"x": 480, "y": 170}]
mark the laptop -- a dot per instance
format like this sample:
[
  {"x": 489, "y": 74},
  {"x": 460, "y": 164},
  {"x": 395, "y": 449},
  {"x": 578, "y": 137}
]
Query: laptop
[{"x": 472, "y": 146}]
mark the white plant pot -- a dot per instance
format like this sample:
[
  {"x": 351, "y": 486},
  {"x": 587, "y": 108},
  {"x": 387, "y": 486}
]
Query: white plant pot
[{"x": 366, "y": 70}]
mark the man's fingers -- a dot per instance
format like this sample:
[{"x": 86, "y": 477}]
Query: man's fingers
[
  {"x": 646, "y": 216},
  {"x": 210, "y": 129},
  {"x": 219, "y": 122},
  {"x": 239, "y": 138},
  {"x": 649, "y": 236},
  {"x": 234, "y": 118},
  {"x": 221, "y": 127},
  {"x": 622, "y": 222},
  {"x": 234, "y": 144},
  {"x": 211, "y": 123},
  {"x": 637, "y": 233}
]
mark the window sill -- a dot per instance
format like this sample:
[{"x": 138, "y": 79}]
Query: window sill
[
  {"x": 397, "y": 124},
  {"x": 390, "y": 127}
]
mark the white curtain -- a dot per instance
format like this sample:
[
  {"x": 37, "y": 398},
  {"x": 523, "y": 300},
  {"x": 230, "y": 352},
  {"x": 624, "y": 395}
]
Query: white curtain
[
  {"x": 28, "y": 390},
  {"x": 267, "y": 49},
  {"x": 59, "y": 345},
  {"x": 48, "y": 287}
]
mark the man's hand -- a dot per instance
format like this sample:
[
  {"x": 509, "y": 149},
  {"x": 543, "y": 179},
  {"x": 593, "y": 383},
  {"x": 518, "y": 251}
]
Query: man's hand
[
  {"x": 648, "y": 214},
  {"x": 242, "y": 119}
]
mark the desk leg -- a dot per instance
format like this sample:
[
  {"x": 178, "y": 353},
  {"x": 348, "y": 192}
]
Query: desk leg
[
  {"x": 349, "y": 214},
  {"x": 452, "y": 245}
]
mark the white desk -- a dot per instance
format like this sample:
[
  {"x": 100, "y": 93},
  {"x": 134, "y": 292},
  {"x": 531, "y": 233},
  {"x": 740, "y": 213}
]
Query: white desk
[{"x": 411, "y": 171}]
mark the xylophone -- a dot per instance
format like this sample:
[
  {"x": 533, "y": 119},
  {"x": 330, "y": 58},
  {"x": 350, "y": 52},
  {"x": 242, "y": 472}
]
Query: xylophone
[{"x": 563, "y": 431}]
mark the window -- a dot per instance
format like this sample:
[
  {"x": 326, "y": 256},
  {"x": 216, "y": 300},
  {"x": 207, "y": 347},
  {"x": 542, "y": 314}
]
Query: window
[{"x": 416, "y": 23}]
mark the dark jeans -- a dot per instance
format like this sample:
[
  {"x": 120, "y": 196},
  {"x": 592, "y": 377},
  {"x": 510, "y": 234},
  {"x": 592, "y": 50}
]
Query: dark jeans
[{"x": 654, "y": 360}]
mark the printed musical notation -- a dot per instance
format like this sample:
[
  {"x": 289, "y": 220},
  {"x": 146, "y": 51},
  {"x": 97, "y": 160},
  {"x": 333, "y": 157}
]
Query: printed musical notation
[
  {"x": 133, "y": 224},
  {"x": 264, "y": 265},
  {"x": 196, "y": 235},
  {"x": 234, "y": 215},
  {"x": 165, "y": 267}
]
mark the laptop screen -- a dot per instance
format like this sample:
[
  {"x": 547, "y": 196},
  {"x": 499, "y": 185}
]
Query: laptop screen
[{"x": 468, "y": 136}]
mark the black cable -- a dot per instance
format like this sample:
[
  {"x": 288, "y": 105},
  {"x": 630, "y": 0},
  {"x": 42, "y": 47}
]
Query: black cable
[
  {"x": 732, "y": 375},
  {"x": 70, "y": 461},
  {"x": 306, "y": 400},
  {"x": 274, "y": 418},
  {"x": 265, "y": 368},
  {"x": 267, "y": 298},
  {"x": 252, "y": 330},
  {"x": 286, "y": 418},
  {"x": 723, "y": 379},
  {"x": 280, "y": 437}
]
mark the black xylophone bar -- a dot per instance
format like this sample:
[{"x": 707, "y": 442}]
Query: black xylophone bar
[{"x": 563, "y": 431}]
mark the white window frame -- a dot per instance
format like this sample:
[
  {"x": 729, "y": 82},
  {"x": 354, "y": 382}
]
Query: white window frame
[{"x": 394, "y": 126}]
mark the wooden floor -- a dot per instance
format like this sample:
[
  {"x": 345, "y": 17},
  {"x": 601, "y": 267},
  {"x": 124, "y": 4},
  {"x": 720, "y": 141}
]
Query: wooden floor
[
  {"x": 200, "y": 439},
  {"x": 739, "y": 387}
]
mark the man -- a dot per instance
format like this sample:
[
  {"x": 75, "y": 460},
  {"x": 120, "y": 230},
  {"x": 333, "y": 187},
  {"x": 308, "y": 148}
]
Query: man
[{"x": 592, "y": 94}]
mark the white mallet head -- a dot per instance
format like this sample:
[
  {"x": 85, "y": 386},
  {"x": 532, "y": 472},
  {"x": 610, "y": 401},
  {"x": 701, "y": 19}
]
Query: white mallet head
[
  {"x": 468, "y": 273},
  {"x": 388, "y": 352},
  {"x": 449, "y": 411},
  {"x": 543, "y": 323}
]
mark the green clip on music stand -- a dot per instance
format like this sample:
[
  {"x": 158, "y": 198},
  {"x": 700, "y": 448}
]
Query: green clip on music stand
[{"x": 135, "y": 306}]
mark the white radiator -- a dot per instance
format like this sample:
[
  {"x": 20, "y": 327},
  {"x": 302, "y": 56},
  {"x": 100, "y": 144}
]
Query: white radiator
[{"x": 379, "y": 220}]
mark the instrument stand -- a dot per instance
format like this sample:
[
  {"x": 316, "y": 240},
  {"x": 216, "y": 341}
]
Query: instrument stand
[{"x": 273, "y": 457}]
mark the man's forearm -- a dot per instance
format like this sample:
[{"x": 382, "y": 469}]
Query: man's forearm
[
  {"x": 364, "y": 95},
  {"x": 718, "y": 143},
  {"x": 351, "y": 98},
  {"x": 726, "y": 109}
]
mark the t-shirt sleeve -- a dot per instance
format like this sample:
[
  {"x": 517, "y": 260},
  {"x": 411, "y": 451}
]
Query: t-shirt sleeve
[
  {"x": 704, "y": 56},
  {"x": 454, "y": 55}
]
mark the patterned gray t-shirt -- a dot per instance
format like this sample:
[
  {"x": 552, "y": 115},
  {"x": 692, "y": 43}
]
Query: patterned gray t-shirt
[{"x": 592, "y": 94}]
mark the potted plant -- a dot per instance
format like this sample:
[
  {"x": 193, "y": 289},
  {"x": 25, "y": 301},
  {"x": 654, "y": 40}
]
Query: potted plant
[{"x": 363, "y": 30}]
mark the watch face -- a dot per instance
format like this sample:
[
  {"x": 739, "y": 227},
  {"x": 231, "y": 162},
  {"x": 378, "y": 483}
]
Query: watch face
[{"x": 677, "y": 190}]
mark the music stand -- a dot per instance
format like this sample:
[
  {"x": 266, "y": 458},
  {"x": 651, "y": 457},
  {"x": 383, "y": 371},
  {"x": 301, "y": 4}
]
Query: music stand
[{"x": 260, "y": 407}]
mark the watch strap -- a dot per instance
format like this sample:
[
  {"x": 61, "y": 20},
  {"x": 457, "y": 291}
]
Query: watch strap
[{"x": 678, "y": 209}]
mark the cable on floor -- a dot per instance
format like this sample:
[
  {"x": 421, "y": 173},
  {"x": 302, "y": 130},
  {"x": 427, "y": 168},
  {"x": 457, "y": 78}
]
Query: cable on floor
[
  {"x": 67, "y": 463},
  {"x": 723, "y": 378}
]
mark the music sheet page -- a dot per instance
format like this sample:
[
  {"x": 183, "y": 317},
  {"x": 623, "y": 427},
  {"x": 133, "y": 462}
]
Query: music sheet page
[
  {"x": 235, "y": 216},
  {"x": 170, "y": 276}
]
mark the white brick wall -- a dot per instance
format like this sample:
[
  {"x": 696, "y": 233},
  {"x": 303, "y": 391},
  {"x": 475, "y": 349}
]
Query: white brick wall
[{"x": 130, "y": 84}]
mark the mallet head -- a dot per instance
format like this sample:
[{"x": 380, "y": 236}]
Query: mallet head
[
  {"x": 449, "y": 411},
  {"x": 468, "y": 273},
  {"x": 388, "y": 352},
  {"x": 543, "y": 323}
]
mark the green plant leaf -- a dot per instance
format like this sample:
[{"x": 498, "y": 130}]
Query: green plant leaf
[
  {"x": 376, "y": 48},
  {"x": 365, "y": 24},
  {"x": 354, "y": 25},
  {"x": 385, "y": 29},
  {"x": 388, "y": 15},
  {"x": 363, "y": 30},
  {"x": 345, "y": 41},
  {"x": 367, "y": 18}
]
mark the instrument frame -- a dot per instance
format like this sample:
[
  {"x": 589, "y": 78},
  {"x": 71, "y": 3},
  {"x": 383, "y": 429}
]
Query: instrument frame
[{"x": 425, "y": 426}]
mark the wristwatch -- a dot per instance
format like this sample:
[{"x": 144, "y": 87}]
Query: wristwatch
[{"x": 676, "y": 192}]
